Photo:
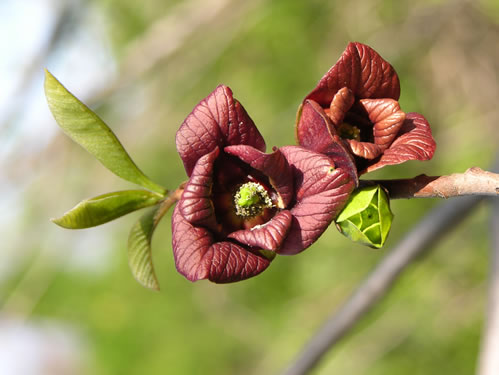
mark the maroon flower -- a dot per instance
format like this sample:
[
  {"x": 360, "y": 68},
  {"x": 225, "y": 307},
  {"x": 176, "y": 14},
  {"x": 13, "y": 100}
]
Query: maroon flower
[
  {"x": 240, "y": 205},
  {"x": 355, "y": 107}
]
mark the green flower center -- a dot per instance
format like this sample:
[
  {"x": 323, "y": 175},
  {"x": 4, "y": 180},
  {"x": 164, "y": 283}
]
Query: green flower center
[
  {"x": 348, "y": 131},
  {"x": 251, "y": 199}
]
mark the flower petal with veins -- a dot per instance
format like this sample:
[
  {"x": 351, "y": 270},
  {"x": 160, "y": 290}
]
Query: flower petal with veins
[
  {"x": 341, "y": 103},
  {"x": 315, "y": 131},
  {"x": 414, "y": 142},
  {"x": 196, "y": 203},
  {"x": 366, "y": 150},
  {"x": 217, "y": 121},
  {"x": 268, "y": 236},
  {"x": 227, "y": 262},
  {"x": 190, "y": 246},
  {"x": 363, "y": 71},
  {"x": 321, "y": 191},
  {"x": 387, "y": 118},
  {"x": 197, "y": 257}
]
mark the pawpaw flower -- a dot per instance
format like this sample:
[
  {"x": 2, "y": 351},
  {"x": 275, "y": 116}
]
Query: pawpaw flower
[
  {"x": 355, "y": 108},
  {"x": 241, "y": 205}
]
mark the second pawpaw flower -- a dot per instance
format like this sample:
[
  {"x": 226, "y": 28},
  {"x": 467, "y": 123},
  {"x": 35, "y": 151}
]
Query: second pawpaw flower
[{"x": 355, "y": 107}]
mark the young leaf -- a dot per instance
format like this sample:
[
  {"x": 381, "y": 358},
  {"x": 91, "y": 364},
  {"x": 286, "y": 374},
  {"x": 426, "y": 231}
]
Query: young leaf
[
  {"x": 139, "y": 249},
  {"x": 84, "y": 127},
  {"x": 103, "y": 208}
]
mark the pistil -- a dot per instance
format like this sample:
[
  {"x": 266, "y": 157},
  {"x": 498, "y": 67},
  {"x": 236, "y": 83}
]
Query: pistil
[{"x": 251, "y": 199}]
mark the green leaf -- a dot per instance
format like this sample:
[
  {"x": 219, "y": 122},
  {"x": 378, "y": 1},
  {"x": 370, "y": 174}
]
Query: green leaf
[
  {"x": 84, "y": 127},
  {"x": 366, "y": 218},
  {"x": 103, "y": 208},
  {"x": 139, "y": 249}
]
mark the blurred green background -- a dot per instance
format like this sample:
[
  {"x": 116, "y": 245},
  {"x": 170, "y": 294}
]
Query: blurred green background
[{"x": 68, "y": 303}]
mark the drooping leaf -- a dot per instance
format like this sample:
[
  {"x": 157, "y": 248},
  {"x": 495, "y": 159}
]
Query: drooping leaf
[
  {"x": 104, "y": 208},
  {"x": 84, "y": 127},
  {"x": 367, "y": 217},
  {"x": 139, "y": 249}
]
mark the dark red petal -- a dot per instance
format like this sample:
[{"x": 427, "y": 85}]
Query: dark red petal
[
  {"x": 313, "y": 128},
  {"x": 414, "y": 142},
  {"x": 242, "y": 130},
  {"x": 218, "y": 120},
  {"x": 197, "y": 257},
  {"x": 387, "y": 118},
  {"x": 190, "y": 247},
  {"x": 315, "y": 131},
  {"x": 274, "y": 166},
  {"x": 321, "y": 191},
  {"x": 363, "y": 71},
  {"x": 227, "y": 262},
  {"x": 341, "y": 103},
  {"x": 268, "y": 236},
  {"x": 196, "y": 203}
]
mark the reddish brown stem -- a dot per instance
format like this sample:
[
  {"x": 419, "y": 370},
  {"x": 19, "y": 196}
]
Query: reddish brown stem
[{"x": 474, "y": 181}]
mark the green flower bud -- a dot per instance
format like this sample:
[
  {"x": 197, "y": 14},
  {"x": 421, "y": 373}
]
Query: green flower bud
[{"x": 366, "y": 218}]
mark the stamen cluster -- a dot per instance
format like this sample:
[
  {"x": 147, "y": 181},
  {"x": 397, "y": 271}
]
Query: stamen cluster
[{"x": 250, "y": 200}]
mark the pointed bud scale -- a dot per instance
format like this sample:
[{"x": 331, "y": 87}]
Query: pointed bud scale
[{"x": 367, "y": 217}]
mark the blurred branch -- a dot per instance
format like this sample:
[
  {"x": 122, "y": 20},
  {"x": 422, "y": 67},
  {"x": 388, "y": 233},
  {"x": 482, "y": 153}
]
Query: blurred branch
[
  {"x": 63, "y": 13},
  {"x": 474, "y": 181},
  {"x": 161, "y": 40},
  {"x": 431, "y": 228},
  {"x": 488, "y": 363},
  {"x": 36, "y": 280}
]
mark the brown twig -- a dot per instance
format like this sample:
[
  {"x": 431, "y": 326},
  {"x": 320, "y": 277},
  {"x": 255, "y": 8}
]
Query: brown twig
[
  {"x": 172, "y": 198},
  {"x": 474, "y": 181}
]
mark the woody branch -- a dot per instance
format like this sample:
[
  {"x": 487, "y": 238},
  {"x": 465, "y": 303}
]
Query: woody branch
[{"x": 474, "y": 181}]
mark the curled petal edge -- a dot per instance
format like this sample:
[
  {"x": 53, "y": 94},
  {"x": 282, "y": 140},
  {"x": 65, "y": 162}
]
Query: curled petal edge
[
  {"x": 198, "y": 257},
  {"x": 362, "y": 70},
  {"x": 414, "y": 142}
]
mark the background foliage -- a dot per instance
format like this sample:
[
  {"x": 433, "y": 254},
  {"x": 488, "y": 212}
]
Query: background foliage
[{"x": 143, "y": 66}]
